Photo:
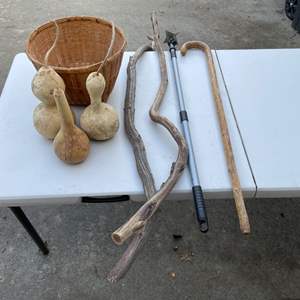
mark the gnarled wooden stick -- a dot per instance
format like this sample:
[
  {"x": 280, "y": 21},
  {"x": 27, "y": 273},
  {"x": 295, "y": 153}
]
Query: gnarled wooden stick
[
  {"x": 142, "y": 216},
  {"x": 133, "y": 135},
  {"x": 236, "y": 186},
  {"x": 142, "y": 165}
]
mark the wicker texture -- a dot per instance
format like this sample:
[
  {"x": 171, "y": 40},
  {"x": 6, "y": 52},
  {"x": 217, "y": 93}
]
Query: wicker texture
[{"x": 83, "y": 43}]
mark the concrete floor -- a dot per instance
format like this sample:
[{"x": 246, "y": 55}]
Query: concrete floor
[{"x": 225, "y": 264}]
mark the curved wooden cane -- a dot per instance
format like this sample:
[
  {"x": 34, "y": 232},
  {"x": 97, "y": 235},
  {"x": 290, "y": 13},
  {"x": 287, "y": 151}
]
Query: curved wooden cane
[{"x": 236, "y": 186}]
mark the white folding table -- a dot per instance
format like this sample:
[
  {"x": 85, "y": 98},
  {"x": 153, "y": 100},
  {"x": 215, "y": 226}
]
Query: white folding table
[
  {"x": 31, "y": 174},
  {"x": 262, "y": 87}
]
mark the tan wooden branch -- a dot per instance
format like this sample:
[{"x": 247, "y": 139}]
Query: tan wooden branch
[
  {"x": 142, "y": 216},
  {"x": 142, "y": 165},
  {"x": 133, "y": 135},
  {"x": 236, "y": 186}
]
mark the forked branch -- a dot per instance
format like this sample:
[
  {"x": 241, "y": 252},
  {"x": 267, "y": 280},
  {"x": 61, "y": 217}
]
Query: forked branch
[
  {"x": 142, "y": 165},
  {"x": 139, "y": 220}
]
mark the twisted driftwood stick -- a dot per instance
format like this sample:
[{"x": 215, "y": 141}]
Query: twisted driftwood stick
[
  {"x": 142, "y": 216},
  {"x": 141, "y": 162},
  {"x": 132, "y": 133},
  {"x": 236, "y": 186}
]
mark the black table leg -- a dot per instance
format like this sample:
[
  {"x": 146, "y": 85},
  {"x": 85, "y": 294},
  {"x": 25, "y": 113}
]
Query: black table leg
[{"x": 20, "y": 215}]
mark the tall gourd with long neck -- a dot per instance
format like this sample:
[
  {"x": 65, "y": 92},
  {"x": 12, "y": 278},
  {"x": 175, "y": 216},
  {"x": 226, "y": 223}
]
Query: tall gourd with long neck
[
  {"x": 46, "y": 118},
  {"x": 99, "y": 120},
  {"x": 71, "y": 144}
]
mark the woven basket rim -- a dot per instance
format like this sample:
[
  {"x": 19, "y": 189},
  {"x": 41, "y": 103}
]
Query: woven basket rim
[{"x": 69, "y": 19}]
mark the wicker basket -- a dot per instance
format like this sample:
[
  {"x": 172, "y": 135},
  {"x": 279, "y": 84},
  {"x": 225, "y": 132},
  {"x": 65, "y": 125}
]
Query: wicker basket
[{"x": 83, "y": 43}]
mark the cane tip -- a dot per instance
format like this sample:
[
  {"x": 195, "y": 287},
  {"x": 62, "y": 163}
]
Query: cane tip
[
  {"x": 246, "y": 232},
  {"x": 246, "y": 229},
  {"x": 204, "y": 227}
]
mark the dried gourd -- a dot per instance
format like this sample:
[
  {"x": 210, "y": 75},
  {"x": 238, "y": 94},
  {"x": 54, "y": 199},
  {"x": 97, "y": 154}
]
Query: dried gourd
[
  {"x": 99, "y": 120},
  {"x": 71, "y": 144},
  {"x": 46, "y": 118}
]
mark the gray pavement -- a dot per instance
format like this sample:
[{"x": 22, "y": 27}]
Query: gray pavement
[{"x": 220, "y": 265}]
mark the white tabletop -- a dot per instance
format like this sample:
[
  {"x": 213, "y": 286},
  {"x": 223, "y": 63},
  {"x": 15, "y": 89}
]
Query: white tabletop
[
  {"x": 262, "y": 85},
  {"x": 30, "y": 173}
]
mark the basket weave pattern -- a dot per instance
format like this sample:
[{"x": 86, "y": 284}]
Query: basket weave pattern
[{"x": 82, "y": 44}]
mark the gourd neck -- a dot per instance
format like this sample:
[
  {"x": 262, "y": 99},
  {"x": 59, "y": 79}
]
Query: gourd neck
[
  {"x": 49, "y": 105},
  {"x": 95, "y": 85},
  {"x": 67, "y": 121},
  {"x": 96, "y": 101}
]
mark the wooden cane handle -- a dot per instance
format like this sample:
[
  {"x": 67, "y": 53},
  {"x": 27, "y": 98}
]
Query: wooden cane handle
[{"x": 236, "y": 186}]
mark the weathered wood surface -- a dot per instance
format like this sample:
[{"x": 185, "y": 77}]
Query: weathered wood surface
[{"x": 138, "y": 223}]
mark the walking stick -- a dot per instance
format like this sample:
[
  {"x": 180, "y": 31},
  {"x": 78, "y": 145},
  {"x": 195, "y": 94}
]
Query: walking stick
[
  {"x": 197, "y": 190},
  {"x": 236, "y": 186}
]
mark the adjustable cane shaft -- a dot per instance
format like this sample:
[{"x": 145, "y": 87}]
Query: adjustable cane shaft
[{"x": 196, "y": 187}]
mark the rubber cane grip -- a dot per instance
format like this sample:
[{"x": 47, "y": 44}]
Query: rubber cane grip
[{"x": 200, "y": 208}]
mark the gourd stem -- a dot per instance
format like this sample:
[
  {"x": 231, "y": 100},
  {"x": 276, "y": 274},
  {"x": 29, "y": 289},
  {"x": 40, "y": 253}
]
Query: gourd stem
[
  {"x": 109, "y": 50},
  {"x": 67, "y": 121},
  {"x": 53, "y": 45}
]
